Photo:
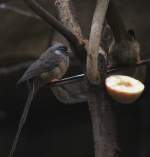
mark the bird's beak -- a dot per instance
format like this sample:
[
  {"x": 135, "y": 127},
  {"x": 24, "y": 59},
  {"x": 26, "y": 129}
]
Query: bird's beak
[{"x": 69, "y": 52}]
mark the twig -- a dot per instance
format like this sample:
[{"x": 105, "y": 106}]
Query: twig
[{"x": 19, "y": 11}]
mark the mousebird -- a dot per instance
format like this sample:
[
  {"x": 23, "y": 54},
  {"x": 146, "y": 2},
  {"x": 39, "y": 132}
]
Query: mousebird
[
  {"x": 49, "y": 67},
  {"x": 126, "y": 50}
]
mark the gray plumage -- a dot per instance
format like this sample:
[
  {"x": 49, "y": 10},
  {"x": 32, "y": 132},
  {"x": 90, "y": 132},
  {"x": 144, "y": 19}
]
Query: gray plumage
[{"x": 52, "y": 64}]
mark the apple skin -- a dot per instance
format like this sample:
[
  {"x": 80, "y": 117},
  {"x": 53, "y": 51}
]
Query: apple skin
[{"x": 122, "y": 96}]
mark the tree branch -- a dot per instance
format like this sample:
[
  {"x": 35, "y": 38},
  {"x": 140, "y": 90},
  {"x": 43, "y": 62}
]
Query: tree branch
[
  {"x": 94, "y": 41},
  {"x": 67, "y": 15},
  {"x": 103, "y": 122},
  {"x": 52, "y": 21},
  {"x": 100, "y": 108}
]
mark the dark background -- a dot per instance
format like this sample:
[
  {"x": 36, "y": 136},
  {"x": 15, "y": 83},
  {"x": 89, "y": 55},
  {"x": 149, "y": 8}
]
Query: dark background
[{"x": 52, "y": 128}]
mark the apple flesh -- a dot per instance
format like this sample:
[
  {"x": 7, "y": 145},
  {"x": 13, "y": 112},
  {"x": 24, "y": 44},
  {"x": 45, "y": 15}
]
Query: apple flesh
[{"x": 124, "y": 89}]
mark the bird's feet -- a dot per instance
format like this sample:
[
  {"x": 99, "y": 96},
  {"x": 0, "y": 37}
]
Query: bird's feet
[{"x": 52, "y": 81}]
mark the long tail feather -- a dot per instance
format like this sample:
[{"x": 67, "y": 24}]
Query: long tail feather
[{"x": 23, "y": 119}]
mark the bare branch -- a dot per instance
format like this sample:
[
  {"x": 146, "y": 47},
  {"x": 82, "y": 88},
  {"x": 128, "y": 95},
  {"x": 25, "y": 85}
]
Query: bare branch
[
  {"x": 94, "y": 41},
  {"x": 52, "y": 21},
  {"x": 39, "y": 10},
  {"x": 68, "y": 16},
  {"x": 19, "y": 11}
]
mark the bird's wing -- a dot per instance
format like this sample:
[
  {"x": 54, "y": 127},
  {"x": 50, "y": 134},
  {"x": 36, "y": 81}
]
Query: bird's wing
[{"x": 45, "y": 63}]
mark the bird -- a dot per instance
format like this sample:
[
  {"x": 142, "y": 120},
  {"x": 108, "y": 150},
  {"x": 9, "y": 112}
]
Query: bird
[
  {"x": 126, "y": 51},
  {"x": 49, "y": 67}
]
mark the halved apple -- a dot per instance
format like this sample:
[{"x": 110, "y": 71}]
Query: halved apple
[{"x": 124, "y": 89}]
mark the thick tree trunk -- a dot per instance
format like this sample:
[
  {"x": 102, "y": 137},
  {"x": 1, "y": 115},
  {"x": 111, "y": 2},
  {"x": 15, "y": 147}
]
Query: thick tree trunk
[{"x": 103, "y": 121}]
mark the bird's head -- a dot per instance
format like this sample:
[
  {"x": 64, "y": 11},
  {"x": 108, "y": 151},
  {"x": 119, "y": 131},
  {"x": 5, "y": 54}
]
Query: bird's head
[{"x": 61, "y": 49}]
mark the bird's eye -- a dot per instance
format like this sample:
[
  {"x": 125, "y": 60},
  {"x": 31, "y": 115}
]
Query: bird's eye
[
  {"x": 131, "y": 34},
  {"x": 63, "y": 48}
]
